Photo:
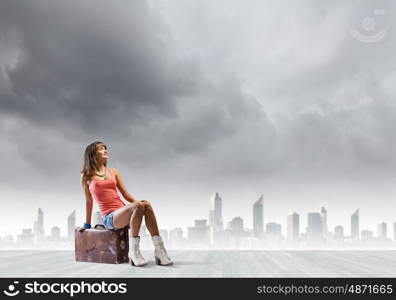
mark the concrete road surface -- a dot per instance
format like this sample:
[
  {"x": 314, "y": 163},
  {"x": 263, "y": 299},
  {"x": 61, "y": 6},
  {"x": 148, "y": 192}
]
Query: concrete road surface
[{"x": 202, "y": 263}]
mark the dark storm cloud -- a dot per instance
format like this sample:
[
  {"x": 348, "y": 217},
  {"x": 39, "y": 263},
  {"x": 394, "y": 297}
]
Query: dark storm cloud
[
  {"x": 84, "y": 62},
  {"x": 77, "y": 71},
  {"x": 328, "y": 95}
]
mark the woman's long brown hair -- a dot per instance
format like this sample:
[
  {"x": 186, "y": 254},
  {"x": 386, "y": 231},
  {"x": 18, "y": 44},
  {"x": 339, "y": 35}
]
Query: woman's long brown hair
[{"x": 90, "y": 164}]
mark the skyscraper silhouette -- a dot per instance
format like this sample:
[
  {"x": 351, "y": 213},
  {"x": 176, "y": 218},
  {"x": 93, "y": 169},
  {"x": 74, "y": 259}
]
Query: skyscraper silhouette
[
  {"x": 71, "y": 225},
  {"x": 323, "y": 215},
  {"x": 273, "y": 229},
  {"x": 258, "y": 220},
  {"x": 215, "y": 212},
  {"x": 382, "y": 231},
  {"x": 55, "y": 234},
  {"x": 293, "y": 227},
  {"x": 38, "y": 227},
  {"x": 199, "y": 234},
  {"x": 366, "y": 237},
  {"x": 236, "y": 226},
  {"x": 339, "y": 235},
  {"x": 215, "y": 219},
  {"x": 26, "y": 238},
  {"x": 315, "y": 228},
  {"x": 176, "y": 238},
  {"x": 355, "y": 226}
]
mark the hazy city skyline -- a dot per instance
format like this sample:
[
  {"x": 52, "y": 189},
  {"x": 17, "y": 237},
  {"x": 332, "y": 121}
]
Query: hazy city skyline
[{"x": 212, "y": 232}]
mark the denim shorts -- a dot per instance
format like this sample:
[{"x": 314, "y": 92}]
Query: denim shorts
[{"x": 108, "y": 220}]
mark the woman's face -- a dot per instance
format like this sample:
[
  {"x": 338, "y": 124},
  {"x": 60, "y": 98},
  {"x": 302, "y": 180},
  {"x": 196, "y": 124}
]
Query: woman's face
[{"x": 101, "y": 153}]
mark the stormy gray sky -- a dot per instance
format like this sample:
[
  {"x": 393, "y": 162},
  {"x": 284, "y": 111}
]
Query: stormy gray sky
[{"x": 194, "y": 97}]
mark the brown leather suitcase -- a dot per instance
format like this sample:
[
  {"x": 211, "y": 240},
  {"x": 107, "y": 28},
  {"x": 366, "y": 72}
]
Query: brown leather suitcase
[{"x": 101, "y": 245}]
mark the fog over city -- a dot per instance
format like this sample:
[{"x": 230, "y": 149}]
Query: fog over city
[{"x": 292, "y": 100}]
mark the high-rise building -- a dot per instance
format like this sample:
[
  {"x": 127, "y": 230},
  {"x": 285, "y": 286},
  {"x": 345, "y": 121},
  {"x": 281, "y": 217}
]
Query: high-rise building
[
  {"x": 176, "y": 239},
  {"x": 176, "y": 233},
  {"x": 258, "y": 220},
  {"x": 199, "y": 233},
  {"x": 38, "y": 226},
  {"x": 215, "y": 212},
  {"x": 382, "y": 231},
  {"x": 315, "y": 227},
  {"x": 26, "y": 238},
  {"x": 55, "y": 233},
  {"x": 323, "y": 215},
  {"x": 236, "y": 226},
  {"x": 367, "y": 237},
  {"x": 273, "y": 229},
  {"x": 293, "y": 227},
  {"x": 355, "y": 226},
  {"x": 339, "y": 234},
  {"x": 215, "y": 220},
  {"x": 71, "y": 225}
]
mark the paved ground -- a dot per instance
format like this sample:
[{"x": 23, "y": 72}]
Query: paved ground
[{"x": 196, "y": 263}]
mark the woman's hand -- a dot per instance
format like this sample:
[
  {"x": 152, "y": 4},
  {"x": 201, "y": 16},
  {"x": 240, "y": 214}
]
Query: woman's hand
[{"x": 86, "y": 226}]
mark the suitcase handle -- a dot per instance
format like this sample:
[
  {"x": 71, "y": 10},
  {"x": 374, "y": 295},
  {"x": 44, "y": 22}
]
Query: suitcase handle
[{"x": 101, "y": 225}]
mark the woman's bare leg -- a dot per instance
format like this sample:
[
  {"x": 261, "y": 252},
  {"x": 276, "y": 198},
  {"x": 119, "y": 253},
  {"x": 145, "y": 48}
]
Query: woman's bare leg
[
  {"x": 136, "y": 220},
  {"x": 131, "y": 214},
  {"x": 149, "y": 218}
]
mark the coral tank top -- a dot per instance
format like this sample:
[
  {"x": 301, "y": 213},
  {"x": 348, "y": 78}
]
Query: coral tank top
[{"x": 105, "y": 193}]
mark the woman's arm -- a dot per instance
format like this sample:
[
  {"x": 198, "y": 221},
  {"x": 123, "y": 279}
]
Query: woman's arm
[
  {"x": 121, "y": 187},
  {"x": 88, "y": 197}
]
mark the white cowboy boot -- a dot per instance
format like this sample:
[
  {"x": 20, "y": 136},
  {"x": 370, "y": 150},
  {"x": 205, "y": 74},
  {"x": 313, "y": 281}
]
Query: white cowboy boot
[
  {"x": 135, "y": 257},
  {"x": 161, "y": 257}
]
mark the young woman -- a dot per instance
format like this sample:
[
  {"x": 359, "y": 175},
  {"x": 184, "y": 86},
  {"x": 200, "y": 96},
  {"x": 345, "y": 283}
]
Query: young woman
[{"x": 100, "y": 183}]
